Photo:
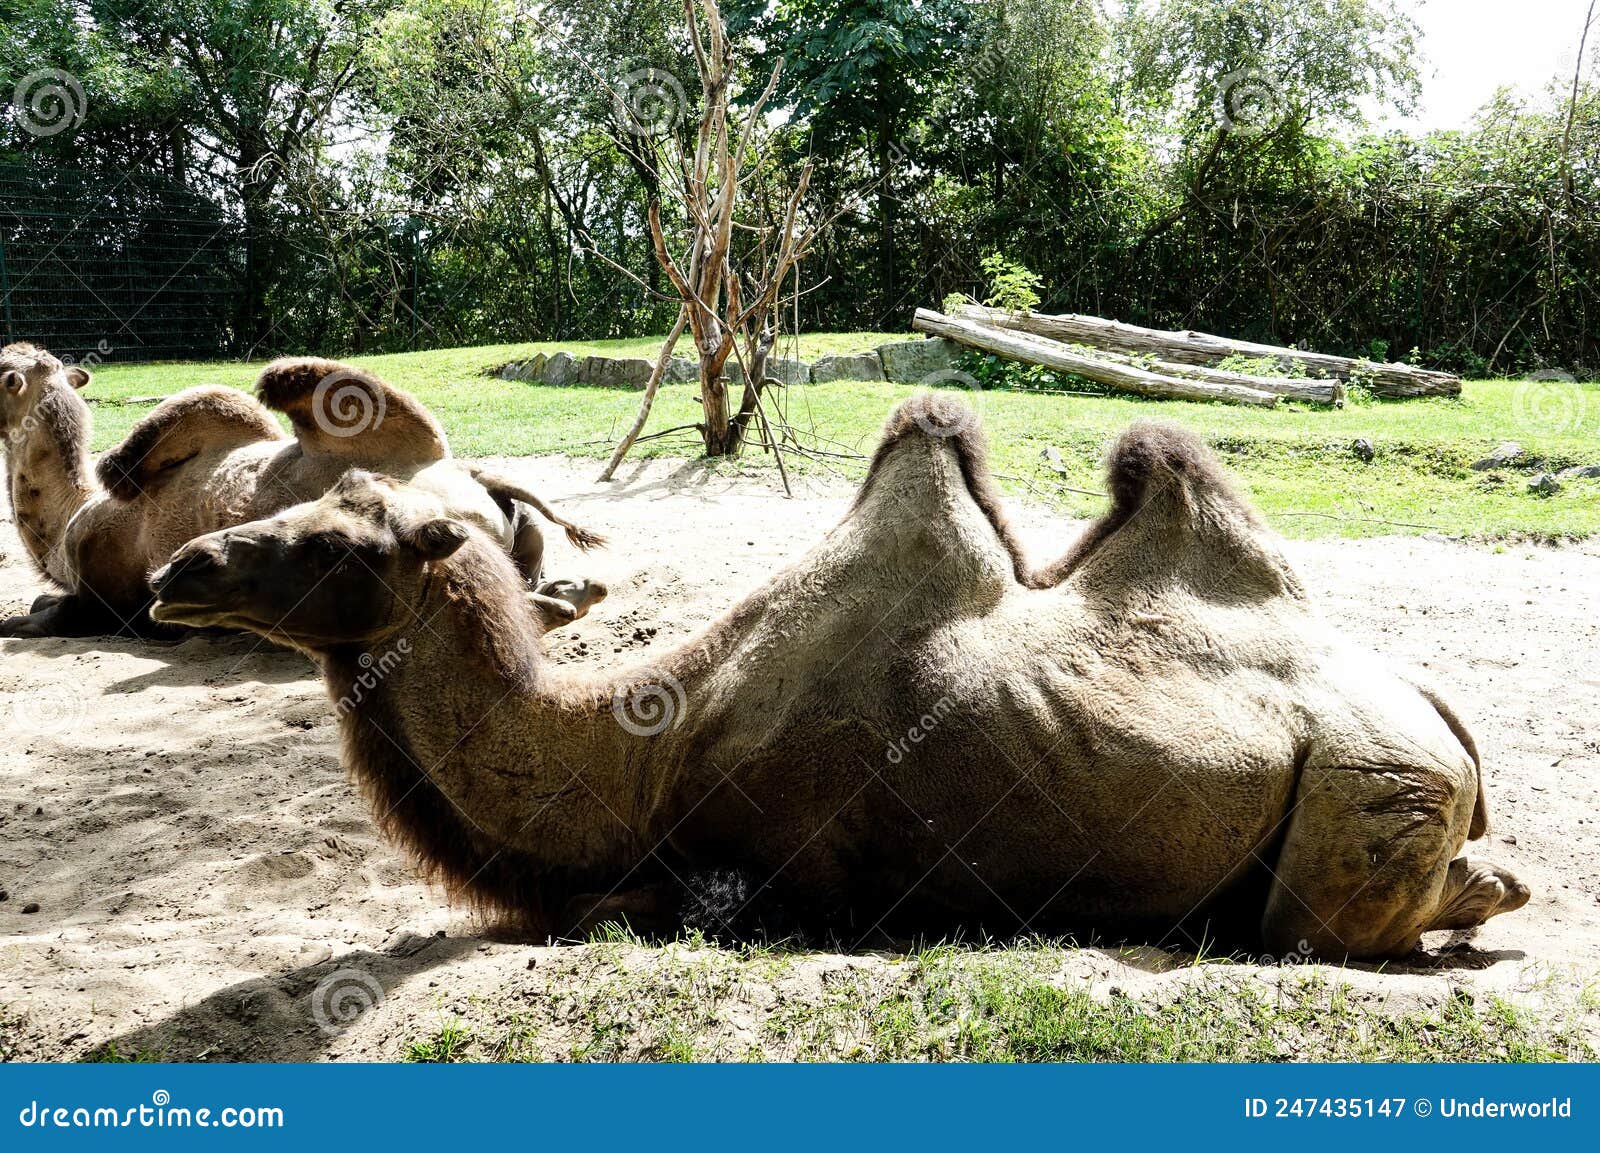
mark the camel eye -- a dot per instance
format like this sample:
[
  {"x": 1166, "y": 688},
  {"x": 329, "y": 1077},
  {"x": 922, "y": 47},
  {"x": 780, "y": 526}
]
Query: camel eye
[{"x": 329, "y": 548}]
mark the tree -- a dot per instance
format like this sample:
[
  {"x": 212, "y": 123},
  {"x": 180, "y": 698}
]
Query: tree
[
  {"x": 728, "y": 293},
  {"x": 1236, "y": 85},
  {"x": 861, "y": 75},
  {"x": 258, "y": 80}
]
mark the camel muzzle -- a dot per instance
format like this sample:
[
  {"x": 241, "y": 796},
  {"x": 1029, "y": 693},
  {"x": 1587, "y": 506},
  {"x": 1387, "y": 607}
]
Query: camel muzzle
[{"x": 189, "y": 581}]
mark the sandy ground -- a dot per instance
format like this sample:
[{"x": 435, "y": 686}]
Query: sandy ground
[{"x": 188, "y": 873}]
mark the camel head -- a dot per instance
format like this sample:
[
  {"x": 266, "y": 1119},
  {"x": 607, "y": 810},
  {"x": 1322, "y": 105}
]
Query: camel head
[
  {"x": 30, "y": 377},
  {"x": 344, "y": 569}
]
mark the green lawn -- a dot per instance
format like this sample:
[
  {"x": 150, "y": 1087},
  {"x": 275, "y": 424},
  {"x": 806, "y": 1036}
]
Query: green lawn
[{"x": 1296, "y": 462}]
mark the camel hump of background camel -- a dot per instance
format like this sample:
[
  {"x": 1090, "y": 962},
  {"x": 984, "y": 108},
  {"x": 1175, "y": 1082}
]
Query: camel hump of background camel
[
  {"x": 342, "y": 411},
  {"x": 210, "y": 418}
]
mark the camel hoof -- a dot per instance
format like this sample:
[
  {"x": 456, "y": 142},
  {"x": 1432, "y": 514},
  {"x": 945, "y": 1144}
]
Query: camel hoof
[
  {"x": 581, "y": 595},
  {"x": 23, "y": 626},
  {"x": 1482, "y": 890}
]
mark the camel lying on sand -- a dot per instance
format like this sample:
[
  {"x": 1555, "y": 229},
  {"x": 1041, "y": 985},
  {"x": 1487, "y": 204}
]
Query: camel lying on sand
[
  {"x": 909, "y": 726},
  {"x": 211, "y": 457}
]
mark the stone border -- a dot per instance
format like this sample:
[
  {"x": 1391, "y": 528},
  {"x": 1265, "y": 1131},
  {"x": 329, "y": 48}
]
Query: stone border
[{"x": 901, "y": 362}]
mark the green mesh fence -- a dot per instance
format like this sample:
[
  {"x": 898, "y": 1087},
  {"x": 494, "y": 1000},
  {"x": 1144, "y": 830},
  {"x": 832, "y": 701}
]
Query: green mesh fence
[{"x": 123, "y": 266}]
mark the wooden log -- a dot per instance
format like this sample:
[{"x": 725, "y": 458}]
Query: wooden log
[
  {"x": 1029, "y": 349},
  {"x": 1306, "y": 389},
  {"x": 1200, "y": 348}
]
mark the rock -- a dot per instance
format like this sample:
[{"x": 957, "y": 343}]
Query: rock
[
  {"x": 609, "y": 372},
  {"x": 527, "y": 370},
  {"x": 912, "y": 361},
  {"x": 682, "y": 370},
  {"x": 1363, "y": 450},
  {"x": 859, "y": 366},
  {"x": 1544, "y": 485},
  {"x": 560, "y": 369},
  {"x": 789, "y": 371},
  {"x": 31, "y": 907},
  {"x": 1582, "y": 472},
  {"x": 4, "y": 896},
  {"x": 1050, "y": 455},
  {"x": 1499, "y": 458}
]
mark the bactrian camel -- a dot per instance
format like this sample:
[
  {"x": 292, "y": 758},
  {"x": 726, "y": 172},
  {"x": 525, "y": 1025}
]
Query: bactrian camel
[
  {"x": 211, "y": 457},
  {"x": 1157, "y": 727}
]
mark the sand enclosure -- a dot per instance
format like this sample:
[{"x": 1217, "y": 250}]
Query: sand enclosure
[{"x": 197, "y": 868}]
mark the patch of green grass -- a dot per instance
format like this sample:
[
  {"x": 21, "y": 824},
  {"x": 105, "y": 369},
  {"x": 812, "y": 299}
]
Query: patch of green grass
[
  {"x": 109, "y": 1054},
  {"x": 446, "y": 1046},
  {"x": 1294, "y": 461},
  {"x": 624, "y": 1003}
]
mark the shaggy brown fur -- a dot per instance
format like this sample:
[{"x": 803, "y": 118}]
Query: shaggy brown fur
[
  {"x": 899, "y": 729},
  {"x": 212, "y": 457}
]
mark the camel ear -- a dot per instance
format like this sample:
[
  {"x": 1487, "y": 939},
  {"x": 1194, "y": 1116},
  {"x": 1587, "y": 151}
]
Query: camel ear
[
  {"x": 78, "y": 377},
  {"x": 13, "y": 382},
  {"x": 436, "y": 539}
]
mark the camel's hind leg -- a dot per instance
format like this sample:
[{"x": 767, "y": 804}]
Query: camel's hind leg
[
  {"x": 1369, "y": 864},
  {"x": 562, "y": 602},
  {"x": 1474, "y": 891},
  {"x": 527, "y": 543}
]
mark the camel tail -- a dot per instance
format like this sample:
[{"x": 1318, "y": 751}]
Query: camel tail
[
  {"x": 502, "y": 489},
  {"x": 1458, "y": 728}
]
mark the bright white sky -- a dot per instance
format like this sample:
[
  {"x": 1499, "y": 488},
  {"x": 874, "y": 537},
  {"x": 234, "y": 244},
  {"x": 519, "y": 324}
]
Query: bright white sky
[{"x": 1475, "y": 46}]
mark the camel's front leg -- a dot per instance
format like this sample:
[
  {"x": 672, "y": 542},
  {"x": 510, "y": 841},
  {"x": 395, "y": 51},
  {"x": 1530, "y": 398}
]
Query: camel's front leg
[{"x": 61, "y": 615}]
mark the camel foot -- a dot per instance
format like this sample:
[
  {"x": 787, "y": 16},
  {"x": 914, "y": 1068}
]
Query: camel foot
[
  {"x": 56, "y": 615},
  {"x": 560, "y": 603},
  {"x": 1475, "y": 891}
]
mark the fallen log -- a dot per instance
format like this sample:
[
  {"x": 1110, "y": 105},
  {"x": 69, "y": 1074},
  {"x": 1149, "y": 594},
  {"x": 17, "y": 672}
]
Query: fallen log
[
  {"x": 1200, "y": 348},
  {"x": 1027, "y": 348},
  {"x": 1306, "y": 389}
]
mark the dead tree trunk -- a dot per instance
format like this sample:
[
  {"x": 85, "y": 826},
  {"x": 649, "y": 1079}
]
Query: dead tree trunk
[
  {"x": 1199, "y": 348},
  {"x": 1029, "y": 349}
]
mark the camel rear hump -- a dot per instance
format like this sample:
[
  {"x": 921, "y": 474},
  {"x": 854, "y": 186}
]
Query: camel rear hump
[
  {"x": 1174, "y": 509},
  {"x": 340, "y": 410}
]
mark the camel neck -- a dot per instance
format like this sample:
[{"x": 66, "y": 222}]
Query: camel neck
[
  {"x": 47, "y": 470},
  {"x": 515, "y": 786}
]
